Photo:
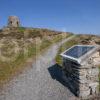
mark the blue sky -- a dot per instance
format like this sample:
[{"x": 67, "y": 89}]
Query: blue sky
[{"x": 78, "y": 16}]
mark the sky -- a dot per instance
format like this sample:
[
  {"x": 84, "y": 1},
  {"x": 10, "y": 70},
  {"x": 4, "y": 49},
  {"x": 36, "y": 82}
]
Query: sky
[{"x": 77, "y": 16}]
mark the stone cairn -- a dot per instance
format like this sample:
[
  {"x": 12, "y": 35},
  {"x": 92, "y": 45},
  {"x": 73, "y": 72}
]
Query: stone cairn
[
  {"x": 82, "y": 79},
  {"x": 13, "y": 21}
]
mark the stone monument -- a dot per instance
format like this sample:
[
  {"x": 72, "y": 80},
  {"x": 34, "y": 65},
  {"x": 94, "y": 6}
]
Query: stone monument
[
  {"x": 13, "y": 21},
  {"x": 81, "y": 70}
]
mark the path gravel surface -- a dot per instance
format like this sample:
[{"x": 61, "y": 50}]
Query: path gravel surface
[{"x": 36, "y": 83}]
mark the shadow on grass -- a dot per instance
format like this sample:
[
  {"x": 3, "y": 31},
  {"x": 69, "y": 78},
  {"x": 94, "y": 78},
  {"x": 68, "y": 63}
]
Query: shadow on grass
[{"x": 56, "y": 72}]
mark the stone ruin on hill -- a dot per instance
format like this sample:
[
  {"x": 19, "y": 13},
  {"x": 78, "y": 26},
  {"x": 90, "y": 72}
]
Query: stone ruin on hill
[
  {"x": 81, "y": 70},
  {"x": 13, "y": 21}
]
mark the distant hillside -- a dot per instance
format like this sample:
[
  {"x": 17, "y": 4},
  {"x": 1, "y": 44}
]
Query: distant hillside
[
  {"x": 27, "y": 32},
  {"x": 23, "y": 32},
  {"x": 89, "y": 39},
  {"x": 19, "y": 45}
]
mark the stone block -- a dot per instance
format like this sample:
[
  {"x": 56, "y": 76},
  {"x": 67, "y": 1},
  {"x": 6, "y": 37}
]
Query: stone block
[{"x": 84, "y": 94}]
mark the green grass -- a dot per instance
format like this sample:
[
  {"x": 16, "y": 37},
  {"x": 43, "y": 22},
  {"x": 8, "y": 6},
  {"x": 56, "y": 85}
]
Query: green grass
[
  {"x": 21, "y": 29},
  {"x": 64, "y": 47},
  {"x": 60, "y": 37},
  {"x": 45, "y": 43}
]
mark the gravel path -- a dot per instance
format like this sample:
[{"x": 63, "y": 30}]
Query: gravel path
[{"x": 37, "y": 83}]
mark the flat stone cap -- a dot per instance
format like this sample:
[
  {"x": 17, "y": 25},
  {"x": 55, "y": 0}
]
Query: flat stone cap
[{"x": 80, "y": 53}]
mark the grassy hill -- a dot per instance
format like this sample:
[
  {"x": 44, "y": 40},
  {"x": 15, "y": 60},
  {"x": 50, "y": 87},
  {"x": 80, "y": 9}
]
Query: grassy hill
[{"x": 19, "y": 45}]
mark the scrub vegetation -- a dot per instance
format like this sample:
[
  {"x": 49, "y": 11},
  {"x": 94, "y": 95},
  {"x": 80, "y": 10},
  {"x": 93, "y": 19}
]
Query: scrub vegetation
[{"x": 19, "y": 45}]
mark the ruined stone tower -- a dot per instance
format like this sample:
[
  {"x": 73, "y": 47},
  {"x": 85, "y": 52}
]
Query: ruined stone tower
[{"x": 13, "y": 21}]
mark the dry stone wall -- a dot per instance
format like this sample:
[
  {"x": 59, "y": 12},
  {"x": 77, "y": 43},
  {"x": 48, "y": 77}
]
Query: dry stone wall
[{"x": 83, "y": 79}]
